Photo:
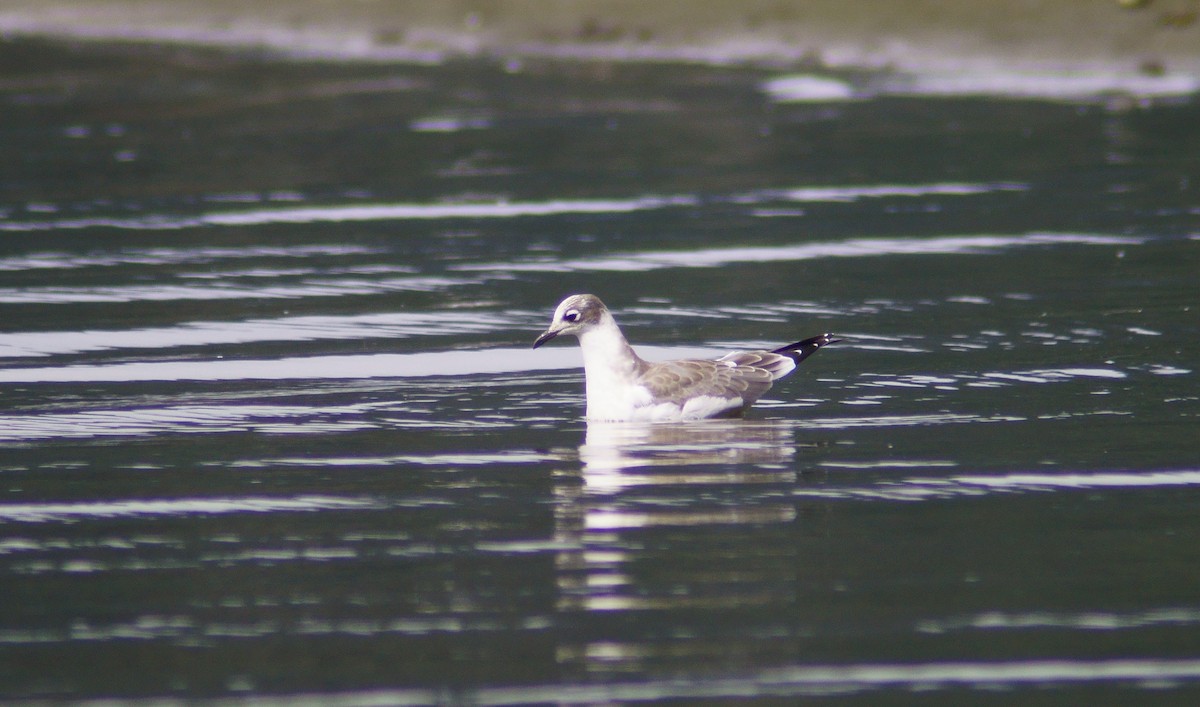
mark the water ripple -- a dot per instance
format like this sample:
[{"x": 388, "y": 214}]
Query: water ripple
[
  {"x": 817, "y": 680},
  {"x": 359, "y": 213},
  {"x": 60, "y": 512},
  {"x": 933, "y": 488},
  {"x": 850, "y": 248},
  {"x": 499, "y": 209},
  {"x": 433, "y": 363},
  {"x": 305, "y": 328},
  {"x": 1071, "y": 86},
  {"x": 1087, "y": 621},
  {"x": 208, "y": 291},
  {"x": 985, "y": 379},
  {"x": 172, "y": 256},
  {"x": 617, "y": 455},
  {"x": 188, "y": 419},
  {"x": 878, "y": 191}
]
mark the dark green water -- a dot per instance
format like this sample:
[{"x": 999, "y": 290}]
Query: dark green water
[{"x": 270, "y": 426}]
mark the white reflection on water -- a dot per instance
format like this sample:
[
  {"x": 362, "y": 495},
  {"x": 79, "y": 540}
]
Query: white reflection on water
[
  {"x": 433, "y": 363},
  {"x": 309, "y": 328},
  {"x": 926, "y": 488},
  {"x": 323, "y": 286},
  {"x": 816, "y": 680},
  {"x": 59, "y": 512},
  {"x": 363, "y": 212},
  {"x": 174, "y": 256},
  {"x": 1087, "y": 85},
  {"x": 859, "y": 677},
  {"x": 493, "y": 209},
  {"x": 837, "y": 423},
  {"x": 613, "y": 449},
  {"x": 810, "y": 88},
  {"x": 186, "y": 419},
  {"x": 617, "y": 456},
  {"x": 1036, "y": 481},
  {"x": 187, "y": 630},
  {"x": 879, "y": 191},
  {"x": 148, "y": 627},
  {"x": 450, "y": 123},
  {"x": 1086, "y": 621},
  {"x": 638, "y": 477},
  {"x": 1094, "y": 84},
  {"x": 504, "y": 456},
  {"x": 615, "y": 518},
  {"x": 986, "y": 379},
  {"x": 849, "y": 248}
]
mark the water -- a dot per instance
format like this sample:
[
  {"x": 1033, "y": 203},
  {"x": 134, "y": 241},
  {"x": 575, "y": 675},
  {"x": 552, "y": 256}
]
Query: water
[{"x": 271, "y": 426}]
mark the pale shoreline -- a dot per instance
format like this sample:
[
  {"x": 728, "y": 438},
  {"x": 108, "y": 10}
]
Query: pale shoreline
[
  {"x": 1057, "y": 34},
  {"x": 1123, "y": 46}
]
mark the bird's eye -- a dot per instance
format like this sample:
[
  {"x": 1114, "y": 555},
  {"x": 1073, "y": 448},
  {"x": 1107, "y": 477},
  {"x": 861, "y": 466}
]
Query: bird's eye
[{"x": 571, "y": 316}]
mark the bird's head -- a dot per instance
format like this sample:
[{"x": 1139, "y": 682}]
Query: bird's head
[{"x": 574, "y": 315}]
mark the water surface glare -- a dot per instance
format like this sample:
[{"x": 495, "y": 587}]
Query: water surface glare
[
  {"x": 378, "y": 212},
  {"x": 67, "y": 512},
  {"x": 272, "y": 429}
]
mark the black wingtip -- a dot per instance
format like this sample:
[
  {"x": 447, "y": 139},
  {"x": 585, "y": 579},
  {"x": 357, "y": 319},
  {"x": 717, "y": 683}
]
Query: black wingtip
[{"x": 803, "y": 349}]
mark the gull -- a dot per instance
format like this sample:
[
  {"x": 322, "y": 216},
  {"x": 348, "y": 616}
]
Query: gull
[{"x": 622, "y": 386}]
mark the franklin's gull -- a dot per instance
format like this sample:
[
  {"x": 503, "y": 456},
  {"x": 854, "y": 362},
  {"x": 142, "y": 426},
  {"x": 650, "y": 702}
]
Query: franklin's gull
[{"x": 622, "y": 386}]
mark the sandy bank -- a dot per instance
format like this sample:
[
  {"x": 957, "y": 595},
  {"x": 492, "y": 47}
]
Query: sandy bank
[{"x": 915, "y": 35}]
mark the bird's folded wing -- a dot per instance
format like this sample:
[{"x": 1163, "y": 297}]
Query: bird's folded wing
[
  {"x": 679, "y": 381},
  {"x": 777, "y": 365}
]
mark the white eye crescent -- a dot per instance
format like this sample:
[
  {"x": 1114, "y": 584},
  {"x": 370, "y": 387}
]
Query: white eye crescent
[{"x": 571, "y": 316}]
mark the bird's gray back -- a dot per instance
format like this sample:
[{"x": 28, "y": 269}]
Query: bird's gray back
[{"x": 727, "y": 378}]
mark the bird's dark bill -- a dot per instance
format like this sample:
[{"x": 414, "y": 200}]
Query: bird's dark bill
[{"x": 546, "y": 336}]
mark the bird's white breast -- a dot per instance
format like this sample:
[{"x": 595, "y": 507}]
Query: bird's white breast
[
  {"x": 611, "y": 369},
  {"x": 615, "y": 393}
]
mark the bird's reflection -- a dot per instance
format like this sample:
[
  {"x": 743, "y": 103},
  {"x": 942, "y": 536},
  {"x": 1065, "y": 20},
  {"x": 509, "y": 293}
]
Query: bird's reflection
[
  {"x": 621, "y": 454},
  {"x": 703, "y": 479}
]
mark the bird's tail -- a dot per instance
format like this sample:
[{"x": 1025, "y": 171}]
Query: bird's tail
[{"x": 803, "y": 349}]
